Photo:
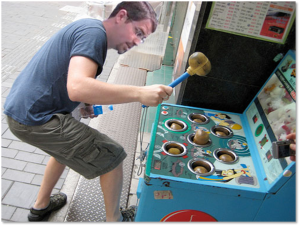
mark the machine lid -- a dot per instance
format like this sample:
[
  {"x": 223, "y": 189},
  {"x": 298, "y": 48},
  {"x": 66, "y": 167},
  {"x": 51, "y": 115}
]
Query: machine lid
[{"x": 271, "y": 116}]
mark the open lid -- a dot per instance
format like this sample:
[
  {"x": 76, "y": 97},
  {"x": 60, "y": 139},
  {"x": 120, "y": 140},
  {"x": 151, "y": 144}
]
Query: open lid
[{"x": 271, "y": 116}]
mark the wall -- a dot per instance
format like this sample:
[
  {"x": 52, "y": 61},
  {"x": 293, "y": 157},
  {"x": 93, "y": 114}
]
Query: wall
[
  {"x": 240, "y": 67},
  {"x": 177, "y": 24},
  {"x": 188, "y": 34}
]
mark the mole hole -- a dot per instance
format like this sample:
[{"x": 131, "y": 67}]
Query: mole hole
[
  {"x": 203, "y": 164},
  {"x": 174, "y": 145},
  {"x": 221, "y": 131}
]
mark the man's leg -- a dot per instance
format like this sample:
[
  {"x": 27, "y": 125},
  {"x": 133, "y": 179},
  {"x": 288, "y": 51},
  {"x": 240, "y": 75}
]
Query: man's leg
[
  {"x": 111, "y": 184},
  {"x": 53, "y": 172}
]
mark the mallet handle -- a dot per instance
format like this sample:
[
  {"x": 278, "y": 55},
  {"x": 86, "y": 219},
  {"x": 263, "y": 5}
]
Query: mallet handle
[
  {"x": 176, "y": 82},
  {"x": 179, "y": 79}
]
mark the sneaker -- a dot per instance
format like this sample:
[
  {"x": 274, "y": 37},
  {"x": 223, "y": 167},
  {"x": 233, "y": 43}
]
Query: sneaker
[
  {"x": 57, "y": 201},
  {"x": 128, "y": 214}
]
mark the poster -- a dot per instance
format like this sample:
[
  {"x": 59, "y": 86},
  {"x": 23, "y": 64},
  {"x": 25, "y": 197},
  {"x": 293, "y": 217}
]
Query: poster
[{"x": 269, "y": 21}]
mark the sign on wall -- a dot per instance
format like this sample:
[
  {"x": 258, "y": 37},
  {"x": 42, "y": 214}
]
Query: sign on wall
[{"x": 269, "y": 21}]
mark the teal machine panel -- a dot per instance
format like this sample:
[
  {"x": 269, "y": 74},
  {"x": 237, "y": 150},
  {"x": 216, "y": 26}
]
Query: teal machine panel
[{"x": 231, "y": 177}]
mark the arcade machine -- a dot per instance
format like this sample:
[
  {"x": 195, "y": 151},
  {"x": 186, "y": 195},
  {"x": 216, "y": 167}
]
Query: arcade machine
[{"x": 209, "y": 165}]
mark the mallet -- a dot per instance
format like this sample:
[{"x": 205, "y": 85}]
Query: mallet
[{"x": 199, "y": 65}]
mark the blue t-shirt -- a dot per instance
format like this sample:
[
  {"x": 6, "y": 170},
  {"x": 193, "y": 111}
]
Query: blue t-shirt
[{"x": 41, "y": 88}]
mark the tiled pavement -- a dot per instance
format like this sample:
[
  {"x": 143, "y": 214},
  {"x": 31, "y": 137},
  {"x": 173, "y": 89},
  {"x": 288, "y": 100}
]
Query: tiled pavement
[{"x": 26, "y": 26}]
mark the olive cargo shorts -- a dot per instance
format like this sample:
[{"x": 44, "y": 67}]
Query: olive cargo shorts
[{"x": 72, "y": 143}]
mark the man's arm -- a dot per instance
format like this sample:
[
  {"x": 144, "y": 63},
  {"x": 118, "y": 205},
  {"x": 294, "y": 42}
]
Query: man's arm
[{"x": 83, "y": 87}]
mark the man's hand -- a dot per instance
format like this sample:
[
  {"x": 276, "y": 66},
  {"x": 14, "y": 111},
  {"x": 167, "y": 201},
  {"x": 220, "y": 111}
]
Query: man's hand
[
  {"x": 87, "y": 111},
  {"x": 292, "y": 136},
  {"x": 154, "y": 94}
]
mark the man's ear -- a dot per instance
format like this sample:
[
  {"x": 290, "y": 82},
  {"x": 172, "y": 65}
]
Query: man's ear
[{"x": 121, "y": 16}]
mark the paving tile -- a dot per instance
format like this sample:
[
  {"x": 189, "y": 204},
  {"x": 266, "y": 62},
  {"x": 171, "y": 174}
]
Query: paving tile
[
  {"x": 21, "y": 195},
  {"x": 9, "y": 135},
  {"x": 3, "y": 169},
  {"x": 20, "y": 215},
  {"x": 5, "y": 186},
  {"x": 46, "y": 160},
  {"x": 13, "y": 164},
  {"x": 7, "y": 84},
  {"x": 59, "y": 184},
  {"x": 30, "y": 157},
  {"x": 4, "y": 94},
  {"x": 5, "y": 142},
  {"x": 9, "y": 153},
  {"x": 3, "y": 89},
  {"x": 37, "y": 180},
  {"x": 16, "y": 175},
  {"x": 4, "y": 127},
  {"x": 7, "y": 212},
  {"x": 35, "y": 168},
  {"x": 41, "y": 152},
  {"x": 19, "y": 145}
]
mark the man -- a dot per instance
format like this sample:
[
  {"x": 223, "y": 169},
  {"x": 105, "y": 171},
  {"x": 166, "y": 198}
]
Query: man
[{"x": 59, "y": 77}]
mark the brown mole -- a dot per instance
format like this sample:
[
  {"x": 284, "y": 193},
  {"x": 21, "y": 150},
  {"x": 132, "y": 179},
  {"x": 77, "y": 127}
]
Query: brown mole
[{"x": 201, "y": 137}]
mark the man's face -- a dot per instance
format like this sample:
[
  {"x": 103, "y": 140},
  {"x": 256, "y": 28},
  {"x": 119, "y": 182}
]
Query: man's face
[{"x": 131, "y": 34}]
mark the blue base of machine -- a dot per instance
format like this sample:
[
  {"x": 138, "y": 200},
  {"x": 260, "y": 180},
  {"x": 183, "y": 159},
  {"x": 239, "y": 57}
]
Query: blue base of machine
[
  {"x": 256, "y": 187},
  {"x": 175, "y": 198},
  {"x": 220, "y": 204}
]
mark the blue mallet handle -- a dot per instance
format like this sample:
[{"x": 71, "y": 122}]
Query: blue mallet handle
[
  {"x": 179, "y": 79},
  {"x": 176, "y": 81}
]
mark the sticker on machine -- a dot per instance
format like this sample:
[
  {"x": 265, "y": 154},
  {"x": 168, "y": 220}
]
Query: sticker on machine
[
  {"x": 163, "y": 194},
  {"x": 188, "y": 216}
]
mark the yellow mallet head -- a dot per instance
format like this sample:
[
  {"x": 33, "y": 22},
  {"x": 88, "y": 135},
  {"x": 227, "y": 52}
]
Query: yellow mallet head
[{"x": 199, "y": 64}]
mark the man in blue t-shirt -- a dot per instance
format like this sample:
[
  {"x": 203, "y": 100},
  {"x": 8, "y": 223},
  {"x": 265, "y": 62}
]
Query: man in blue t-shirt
[{"x": 60, "y": 76}]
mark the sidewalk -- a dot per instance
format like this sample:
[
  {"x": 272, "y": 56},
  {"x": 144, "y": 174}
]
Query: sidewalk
[{"x": 25, "y": 27}]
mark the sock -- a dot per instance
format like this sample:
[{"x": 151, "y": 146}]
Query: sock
[{"x": 42, "y": 208}]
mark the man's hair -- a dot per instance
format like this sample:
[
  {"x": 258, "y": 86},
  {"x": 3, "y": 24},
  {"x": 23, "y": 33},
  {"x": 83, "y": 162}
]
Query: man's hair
[{"x": 137, "y": 11}]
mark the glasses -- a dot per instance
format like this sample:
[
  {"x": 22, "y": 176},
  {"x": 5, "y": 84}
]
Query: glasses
[{"x": 138, "y": 32}]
